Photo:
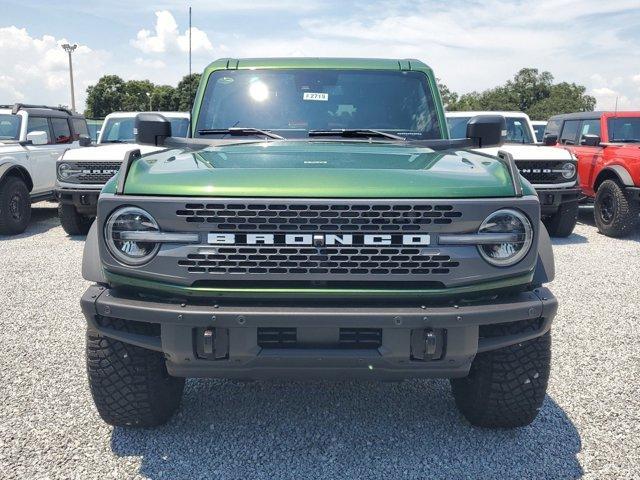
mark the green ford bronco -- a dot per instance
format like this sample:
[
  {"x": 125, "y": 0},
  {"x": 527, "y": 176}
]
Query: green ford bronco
[{"x": 318, "y": 222}]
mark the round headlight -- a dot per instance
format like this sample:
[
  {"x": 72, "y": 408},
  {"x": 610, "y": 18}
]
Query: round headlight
[
  {"x": 507, "y": 253},
  {"x": 128, "y": 220},
  {"x": 568, "y": 170},
  {"x": 64, "y": 170}
]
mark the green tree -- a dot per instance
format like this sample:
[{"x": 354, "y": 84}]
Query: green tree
[
  {"x": 563, "y": 98},
  {"x": 448, "y": 96},
  {"x": 137, "y": 95},
  {"x": 164, "y": 98},
  {"x": 186, "y": 91},
  {"x": 105, "y": 97}
]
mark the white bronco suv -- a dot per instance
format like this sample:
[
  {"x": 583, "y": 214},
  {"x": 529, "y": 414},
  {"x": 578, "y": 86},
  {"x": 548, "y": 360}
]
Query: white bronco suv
[
  {"x": 552, "y": 171},
  {"x": 82, "y": 174},
  {"x": 32, "y": 137}
]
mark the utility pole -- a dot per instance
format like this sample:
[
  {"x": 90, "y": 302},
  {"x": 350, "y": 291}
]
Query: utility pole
[{"x": 69, "y": 49}]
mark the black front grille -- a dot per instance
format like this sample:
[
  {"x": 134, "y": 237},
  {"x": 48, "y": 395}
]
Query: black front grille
[
  {"x": 318, "y": 217},
  {"x": 96, "y": 172},
  {"x": 347, "y": 261},
  {"x": 277, "y": 337},
  {"x": 360, "y": 338},
  {"x": 542, "y": 171}
]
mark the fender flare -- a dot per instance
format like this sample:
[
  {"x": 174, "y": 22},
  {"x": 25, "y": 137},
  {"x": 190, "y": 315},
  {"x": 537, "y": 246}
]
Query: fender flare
[
  {"x": 91, "y": 264},
  {"x": 7, "y": 168},
  {"x": 545, "y": 270},
  {"x": 620, "y": 172}
]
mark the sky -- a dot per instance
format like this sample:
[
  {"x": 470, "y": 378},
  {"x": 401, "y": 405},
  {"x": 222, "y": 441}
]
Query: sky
[{"x": 471, "y": 45}]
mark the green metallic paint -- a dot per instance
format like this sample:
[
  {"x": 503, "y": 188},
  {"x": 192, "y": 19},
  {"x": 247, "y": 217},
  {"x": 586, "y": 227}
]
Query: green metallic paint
[
  {"x": 477, "y": 288},
  {"x": 319, "y": 169}
]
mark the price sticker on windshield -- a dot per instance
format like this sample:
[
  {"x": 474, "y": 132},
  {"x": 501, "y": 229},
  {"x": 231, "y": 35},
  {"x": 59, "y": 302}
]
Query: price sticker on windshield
[{"x": 318, "y": 97}]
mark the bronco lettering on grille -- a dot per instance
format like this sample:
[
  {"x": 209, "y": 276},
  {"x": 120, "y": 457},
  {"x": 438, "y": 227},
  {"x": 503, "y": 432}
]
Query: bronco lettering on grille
[{"x": 317, "y": 240}]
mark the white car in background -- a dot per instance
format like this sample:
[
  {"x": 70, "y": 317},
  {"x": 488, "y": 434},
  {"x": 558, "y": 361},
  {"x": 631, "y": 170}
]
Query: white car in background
[
  {"x": 552, "y": 171},
  {"x": 81, "y": 175},
  {"x": 538, "y": 129},
  {"x": 32, "y": 137}
]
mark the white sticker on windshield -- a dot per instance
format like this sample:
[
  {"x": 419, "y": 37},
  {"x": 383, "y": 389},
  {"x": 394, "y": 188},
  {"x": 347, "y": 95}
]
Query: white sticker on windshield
[{"x": 318, "y": 97}]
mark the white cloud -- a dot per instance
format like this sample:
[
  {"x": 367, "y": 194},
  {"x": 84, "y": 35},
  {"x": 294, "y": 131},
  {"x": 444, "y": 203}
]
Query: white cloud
[
  {"x": 36, "y": 70},
  {"x": 149, "y": 63},
  {"x": 167, "y": 38}
]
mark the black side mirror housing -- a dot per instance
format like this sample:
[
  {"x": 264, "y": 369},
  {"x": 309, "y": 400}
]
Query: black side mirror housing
[
  {"x": 487, "y": 130},
  {"x": 590, "y": 140},
  {"x": 152, "y": 129},
  {"x": 84, "y": 141},
  {"x": 550, "y": 140}
]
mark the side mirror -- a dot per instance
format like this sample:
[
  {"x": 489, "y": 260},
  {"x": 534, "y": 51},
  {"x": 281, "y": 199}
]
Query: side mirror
[
  {"x": 590, "y": 140},
  {"x": 38, "y": 137},
  {"x": 151, "y": 129},
  {"x": 550, "y": 140},
  {"x": 487, "y": 130},
  {"x": 84, "y": 141}
]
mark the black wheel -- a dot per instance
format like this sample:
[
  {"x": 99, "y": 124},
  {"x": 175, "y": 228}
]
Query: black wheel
[
  {"x": 73, "y": 222},
  {"x": 505, "y": 388},
  {"x": 562, "y": 223},
  {"x": 15, "y": 206},
  {"x": 130, "y": 385},
  {"x": 615, "y": 213}
]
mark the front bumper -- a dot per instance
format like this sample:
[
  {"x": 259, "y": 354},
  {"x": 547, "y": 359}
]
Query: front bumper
[
  {"x": 179, "y": 327},
  {"x": 552, "y": 198},
  {"x": 84, "y": 199}
]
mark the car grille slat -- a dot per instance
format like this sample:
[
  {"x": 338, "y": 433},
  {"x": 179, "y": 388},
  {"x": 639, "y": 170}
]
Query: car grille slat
[
  {"x": 95, "y": 172},
  {"x": 538, "y": 171}
]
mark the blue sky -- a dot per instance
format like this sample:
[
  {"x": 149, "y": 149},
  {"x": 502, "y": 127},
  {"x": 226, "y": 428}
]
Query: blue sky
[{"x": 472, "y": 45}]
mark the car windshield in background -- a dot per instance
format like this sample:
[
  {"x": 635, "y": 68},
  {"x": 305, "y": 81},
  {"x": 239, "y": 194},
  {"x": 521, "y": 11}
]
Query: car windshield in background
[
  {"x": 624, "y": 129},
  {"x": 293, "y": 102},
  {"x": 9, "y": 127},
  {"x": 517, "y": 129},
  {"x": 539, "y": 131},
  {"x": 120, "y": 130}
]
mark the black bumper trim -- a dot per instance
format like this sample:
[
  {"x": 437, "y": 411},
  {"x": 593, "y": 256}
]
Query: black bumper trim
[
  {"x": 246, "y": 360},
  {"x": 552, "y": 198},
  {"x": 85, "y": 200}
]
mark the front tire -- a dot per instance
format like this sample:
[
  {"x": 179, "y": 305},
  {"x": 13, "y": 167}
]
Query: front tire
[
  {"x": 130, "y": 385},
  {"x": 615, "y": 213},
  {"x": 562, "y": 223},
  {"x": 15, "y": 206},
  {"x": 73, "y": 222},
  {"x": 505, "y": 388}
]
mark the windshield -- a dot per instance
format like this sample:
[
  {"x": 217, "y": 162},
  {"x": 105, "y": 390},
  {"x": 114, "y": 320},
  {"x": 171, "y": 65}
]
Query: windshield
[
  {"x": 624, "y": 129},
  {"x": 539, "y": 131},
  {"x": 9, "y": 127},
  {"x": 291, "y": 103},
  {"x": 517, "y": 129},
  {"x": 120, "y": 130}
]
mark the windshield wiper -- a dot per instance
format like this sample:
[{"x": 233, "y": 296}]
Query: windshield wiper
[
  {"x": 354, "y": 133},
  {"x": 239, "y": 131},
  {"x": 117, "y": 141}
]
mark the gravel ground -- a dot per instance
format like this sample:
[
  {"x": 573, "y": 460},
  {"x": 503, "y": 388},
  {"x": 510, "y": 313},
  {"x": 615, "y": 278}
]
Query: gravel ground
[{"x": 49, "y": 427}]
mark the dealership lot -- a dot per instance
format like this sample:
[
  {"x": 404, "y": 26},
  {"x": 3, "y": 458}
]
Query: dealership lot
[{"x": 49, "y": 426}]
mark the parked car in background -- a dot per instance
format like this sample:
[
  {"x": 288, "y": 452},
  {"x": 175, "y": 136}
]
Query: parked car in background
[
  {"x": 320, "y": 223},
  {"x": 81, "y": 175},
  {"x": 607, "y": 145},
  {"x": 551, "y": 171},
  {"x": 32, "y": 137},
  {"x": 118, "y": 127},
  {"x": 538, "y": 129}
]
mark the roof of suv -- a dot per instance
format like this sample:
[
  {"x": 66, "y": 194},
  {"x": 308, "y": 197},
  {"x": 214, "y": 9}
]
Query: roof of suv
[
  {"x": 318, "y": 62},
  {"x": 596, "y": 114},
  {"x": 133, "y": 114},
  {"x": 486, "y": 112},
  {"x": 49, "y": 111}
]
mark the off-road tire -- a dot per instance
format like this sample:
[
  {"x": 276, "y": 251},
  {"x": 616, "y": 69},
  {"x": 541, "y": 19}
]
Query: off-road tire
[
  {"x": 15, "y": 206},
  {"x": 129, "y": 384},
  {"x": 73, "y": 222},
  {"x": 562, "y": 223},
  {"x": 615, "y": 212},
  {"x": 505, "y": 388}
]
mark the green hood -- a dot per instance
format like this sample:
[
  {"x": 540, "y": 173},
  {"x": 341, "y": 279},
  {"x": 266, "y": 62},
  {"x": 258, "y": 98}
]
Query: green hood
[{"x": 319, "y": 169}]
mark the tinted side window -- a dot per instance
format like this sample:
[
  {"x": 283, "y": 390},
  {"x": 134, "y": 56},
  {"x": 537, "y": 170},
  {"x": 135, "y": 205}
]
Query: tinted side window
[
  {"x": 80, "y": 128},
  {"x": 61, "y": 131},
  {"x": 39, "y": 124},
  {"x": 569, "y": 132},
  {"x": 553, "y": 127},
  {"x": 589, "y": 127}
]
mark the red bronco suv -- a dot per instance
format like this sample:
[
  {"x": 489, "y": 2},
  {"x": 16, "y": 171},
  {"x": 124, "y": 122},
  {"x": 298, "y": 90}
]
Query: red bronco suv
[{"x": 607, "y": 145}]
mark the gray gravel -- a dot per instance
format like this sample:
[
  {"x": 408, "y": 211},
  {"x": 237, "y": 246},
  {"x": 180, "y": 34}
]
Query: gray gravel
[{"x": 589, "y": 425}]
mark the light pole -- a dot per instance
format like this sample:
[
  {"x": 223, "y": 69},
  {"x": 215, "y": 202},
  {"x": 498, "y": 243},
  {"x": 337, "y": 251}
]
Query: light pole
[
  {"x": 69, "y": 49},
  {"x": 149, "y": 95}
]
